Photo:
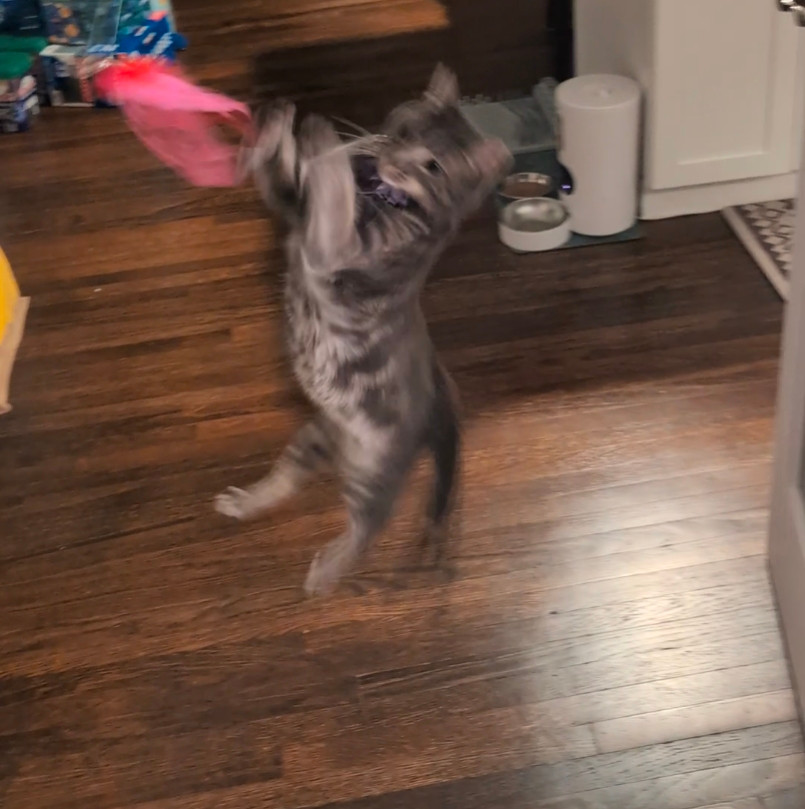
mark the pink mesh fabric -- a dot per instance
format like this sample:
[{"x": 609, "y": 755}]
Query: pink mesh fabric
[{"x": 177, "y": 120}]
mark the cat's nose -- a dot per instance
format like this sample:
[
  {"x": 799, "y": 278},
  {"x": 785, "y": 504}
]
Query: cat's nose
[{"x": 392, "y": 175}]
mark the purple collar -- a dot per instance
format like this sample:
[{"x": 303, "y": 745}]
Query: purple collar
[{"x": 370, "y": 184}]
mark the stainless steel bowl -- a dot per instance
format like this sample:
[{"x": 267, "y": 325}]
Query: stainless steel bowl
[{"x": 529, "y": 225}]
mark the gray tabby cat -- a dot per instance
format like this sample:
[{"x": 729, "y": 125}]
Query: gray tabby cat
[{"x": 367, "y": 220}]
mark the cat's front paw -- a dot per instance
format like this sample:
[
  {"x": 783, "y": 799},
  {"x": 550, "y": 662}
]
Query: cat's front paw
[
  {"x": 236, "y": 503},
  {"x": 317, "y": 135}
]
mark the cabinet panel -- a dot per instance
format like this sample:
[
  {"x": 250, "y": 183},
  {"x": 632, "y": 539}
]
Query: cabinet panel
[
  {"x": 724, "y": 88},
  {"x": 799, "y": 104}
]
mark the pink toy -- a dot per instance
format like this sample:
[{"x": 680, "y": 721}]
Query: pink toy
[{"x": 177, "y": 120}]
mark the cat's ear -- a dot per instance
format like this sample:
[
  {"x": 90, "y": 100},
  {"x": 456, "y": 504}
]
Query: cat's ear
[
  {"x": 493, "y": 158},
  {"x": 443, "y": 87}
]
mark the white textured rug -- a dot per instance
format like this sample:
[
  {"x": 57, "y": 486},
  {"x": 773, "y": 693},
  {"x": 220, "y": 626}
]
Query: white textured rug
[{"x": 766, "y": 230}]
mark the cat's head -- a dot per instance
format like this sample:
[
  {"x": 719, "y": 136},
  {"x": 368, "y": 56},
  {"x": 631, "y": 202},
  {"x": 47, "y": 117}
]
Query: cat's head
[{"x": 435, "y": 156}]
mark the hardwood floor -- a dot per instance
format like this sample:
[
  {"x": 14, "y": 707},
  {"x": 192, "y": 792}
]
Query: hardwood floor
[
  {"x": 494, "y": 47},
  {"x": 225, "y": 38},
  {"x": 607, "y": 638}
]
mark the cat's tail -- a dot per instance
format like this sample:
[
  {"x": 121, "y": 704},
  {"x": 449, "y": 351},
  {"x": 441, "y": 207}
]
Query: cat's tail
[{"x": 444, "y": 441}]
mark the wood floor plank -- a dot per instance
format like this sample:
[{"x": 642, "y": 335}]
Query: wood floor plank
[
  {"x": 720, "y": 767},
  {"x": 272, "y": 24},
  {"x": 721, "y": 783},
  {"x": 651, "y": 661},
  {"x": 85, "y": 630},
  {"x": 661, "y": 695},
  {"x": 175, "y": 765},
  {"x": 699, "y": 720},
  {"x": 747, "y": 803},
  {"x": 793, "y": 798},
  {"x": 88, "y": 627},
  {"x": 244, "y": 796}
]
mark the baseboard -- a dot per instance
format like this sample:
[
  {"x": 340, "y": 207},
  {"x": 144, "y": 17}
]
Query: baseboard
[{"x": 715, "y": 197}]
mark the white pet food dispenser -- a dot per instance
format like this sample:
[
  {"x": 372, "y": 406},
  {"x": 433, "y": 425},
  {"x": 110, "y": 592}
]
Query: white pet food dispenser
[{"x": 599, "y": 132}]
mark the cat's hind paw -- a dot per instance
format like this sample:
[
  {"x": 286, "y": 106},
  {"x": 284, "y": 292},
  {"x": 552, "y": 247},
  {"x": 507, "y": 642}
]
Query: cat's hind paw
[
  {"x": 236, "y": 503},
  {"x": 333, "y": 561}
]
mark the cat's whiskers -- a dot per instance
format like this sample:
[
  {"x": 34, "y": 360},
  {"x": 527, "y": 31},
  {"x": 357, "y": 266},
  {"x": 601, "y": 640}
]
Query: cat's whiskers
[
  {"x": 367, "y": 144},
  {"x": 352, "y": 124}
]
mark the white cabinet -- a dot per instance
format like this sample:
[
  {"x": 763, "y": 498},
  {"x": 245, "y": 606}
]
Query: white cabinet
[{"x": 722, "y": 83}]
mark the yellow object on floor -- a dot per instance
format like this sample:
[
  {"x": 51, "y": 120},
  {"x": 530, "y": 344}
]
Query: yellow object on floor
[{"x": 13, "y": 309}]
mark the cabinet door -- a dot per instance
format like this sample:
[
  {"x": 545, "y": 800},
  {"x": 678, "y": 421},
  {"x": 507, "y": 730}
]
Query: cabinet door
[
  {"x": 787, "y": 525},
  {"x": 723, "y": 106}
]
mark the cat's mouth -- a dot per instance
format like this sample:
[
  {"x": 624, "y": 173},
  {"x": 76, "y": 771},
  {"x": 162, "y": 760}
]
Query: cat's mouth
[{"x": 371, "y": 184}]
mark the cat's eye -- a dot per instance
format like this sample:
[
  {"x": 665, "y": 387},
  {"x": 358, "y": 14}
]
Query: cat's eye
[{"x": 433, "y": 167}]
